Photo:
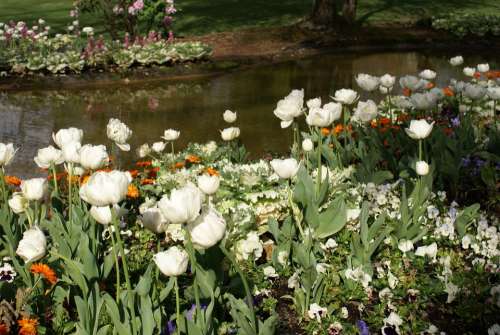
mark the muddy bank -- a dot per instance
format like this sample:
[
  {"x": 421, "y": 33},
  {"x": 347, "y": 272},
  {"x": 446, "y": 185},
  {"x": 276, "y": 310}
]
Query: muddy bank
[{"x": 245, "y": 48}]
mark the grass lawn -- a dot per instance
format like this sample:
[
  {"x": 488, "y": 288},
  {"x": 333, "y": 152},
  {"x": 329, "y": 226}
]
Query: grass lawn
[{"x": 204, "y": 16}]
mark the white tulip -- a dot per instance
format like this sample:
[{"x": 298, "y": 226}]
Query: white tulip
[
  {"x": 172, "y": 262},
  {"x": 428, "y": 74},
  {"x": 469, "y": 71},
  {"x": 345, "y": 96},
  {"x": 411, "y": 82},
  {"x": 74, "y": 169},
  {"x": 314, "y": 103},
  {"x": 208, "y": 184},
  {"x": 367, "y": 82},
  {"x": 34, "y": 189},
  {"x": 71, "y": 152},
  {"x": 475, "y": 92},
  {"x": 456, "y": 61},
  {"x": 422, "y": 168},
  {"x": 494, "y": 92},
  {"x": 230, "y": 134},
  {"x": 119, "y": 133},
  {"x": 419, "y": 129},
  {"x": 153, "y": 220},
  {"x": 46, "y": 157},
  {"x": 208, "y": 229},
  {"x": 483, "y": 67},
  {"x": 319, "y": 117},
  {"x": 405, "y": 245},
  {"x": 143, "y": 150},
  {"x": 171, "y": 135},
  {"x": 18, "y": 203},
  {"x": 106, "y": 188},
  {"x": 88, "y": 30},
  {"x": 93, "y": 157},
  {"x": 290, "y": 107},
  {"x": 7, "y": 153},
  {"x": 285, "y": 168},
  {"x": 387, "y": 81},
  {"x": 183, "y": 206},
  {"x": 32, "y": 246},
  {"x": 229, "y": 116},
  {"x": 365, "y": 111},
  {"x": 65, "y": 136},
  {"x": 424, "y": 101},
  {"x": 307, "y": 145},
  {"x": 158, "y": 147},
  {"x": 102, "y": 214}
]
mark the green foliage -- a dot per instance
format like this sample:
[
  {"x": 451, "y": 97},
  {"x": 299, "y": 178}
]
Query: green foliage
[{"x": 468, "y": 24}]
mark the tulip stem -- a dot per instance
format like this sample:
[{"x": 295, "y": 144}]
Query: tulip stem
[
  {"x": 245, "y": 285},
  {"x": 70, "y": 198},
  {"x": 54, "y": 176},
  {"x": 194, "y": 266},
  {"x": 172, "y": 145},
  {"x": 117, "y": 266},
  {"x": 177, "y": 306},
  {"x": 419, "y": 150},
  {"x": 319, "y": 170},
  {"x": 4, "y": 188}
]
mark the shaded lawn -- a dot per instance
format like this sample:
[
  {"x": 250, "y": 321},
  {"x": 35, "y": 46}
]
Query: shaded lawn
[{"x": 197, "y": 17}]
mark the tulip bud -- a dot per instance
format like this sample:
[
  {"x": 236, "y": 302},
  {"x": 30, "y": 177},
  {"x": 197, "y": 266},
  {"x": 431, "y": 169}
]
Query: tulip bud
[
  {"x": 34, "y": 189},
  {"x": 172, "y": 262},
  {"x": 230, "y": 134},
  {"x": 18, "y": 203},
  {"x": 32, "y": 246},
  {"x": 171, "y": 135},
  {"x": 422, "y": 168},
  {"x": 7, "y": 153},
  {"x": 102, "y": 214},
  {"x": 158, "y": 146},
  {"x": 307, "y": 145},
  {"x": 285, "y": 168},
  {"x": 208, "y": 184},
  {"x": 229, "y": 116},
  {"x": 119, "y": 133}
]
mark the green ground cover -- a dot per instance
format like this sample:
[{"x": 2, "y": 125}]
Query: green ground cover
[{"x": 202, "y": 16}]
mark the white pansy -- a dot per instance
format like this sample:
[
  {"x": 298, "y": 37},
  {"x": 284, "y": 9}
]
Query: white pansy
[
  {"x": 105, "y": 188},
  {"x": 229, "y": 116},
  {"x": 119, "y": 133},
  {"x": 358, "y": 275},
  {"x": 69, "y": 135},
  {"x": 171, "y": 135},
  {"x": 427, "y": 250},
  {"x": 230, "y": 133},
  {"x": 18, "y": 203},
  {"x": 93, "y": 157},
  {"x": 419, "y": 129},
  {"x": 34, "y": 189},
  {"x": 7, "y": 153},
  {"x": 208, "y": 184},
  {"x": 494, "y": 330},
  {"x": 346, "y": 96},
  {"x": 172, "y": 262},
  {"x": 316, "y": 312},
  {"x": 183, "y": 205},
  {"x": 270, "y": 272},
  {"x": 367, "y": 82},
  {"x": 208, "y": 229},
  {"x": 32, "y": 246},
  {"x": 422, "y": 168},
  {"x": 251, "y": 245},
  {"x": 405, "y": 245},
  {"x": 285, "y": 168},
  {"x": 290, "y": 107}
]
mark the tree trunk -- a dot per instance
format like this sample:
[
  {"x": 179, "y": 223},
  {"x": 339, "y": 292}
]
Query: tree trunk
[
  {"x": 324, "y": 12},
  {"x": 349, "y": 11}
]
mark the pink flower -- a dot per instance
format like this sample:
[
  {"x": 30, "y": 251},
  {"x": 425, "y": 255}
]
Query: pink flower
[{"x": 138, "y": 5}]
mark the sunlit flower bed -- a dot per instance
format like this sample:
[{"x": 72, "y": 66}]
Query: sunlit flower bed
[
  {"x": 370, "y": 225},
  {"x": 25, "y": 49}
]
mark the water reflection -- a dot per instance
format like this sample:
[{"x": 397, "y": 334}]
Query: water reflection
[{"x": 195, "y": 107}]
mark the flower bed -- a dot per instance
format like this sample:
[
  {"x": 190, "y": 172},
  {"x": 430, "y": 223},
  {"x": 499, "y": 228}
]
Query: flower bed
[
  {"x": 26, "y": 49},
  {"x": 356, "y": 232}
]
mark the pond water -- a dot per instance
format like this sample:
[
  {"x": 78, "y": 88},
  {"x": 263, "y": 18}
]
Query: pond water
[{"x": 195, "y": 107}]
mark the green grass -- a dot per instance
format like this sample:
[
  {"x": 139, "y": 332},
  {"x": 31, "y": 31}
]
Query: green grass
[{"x": 205, "y": 16}]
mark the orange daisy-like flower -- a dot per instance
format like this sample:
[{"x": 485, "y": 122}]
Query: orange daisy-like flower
[
  {"x": 27, "y": 326},
  {"x": 147, "y": 181},
  {"x": 448, "y": 92},
  {"x": 132, "y": 191},
  {"x": 384, "y": 121},
  {"x": 4, "y": 330},
  {"x": 325, "y": 131},
  {"x": 338, "y": 129},
  {"x": 104, "y": 170},
  {"x": 193, "y": 159},
  {"x": 179, "y": 165},
  {"x": 153, "y": 172},
  {"x": 58, "y": 176},
  {"x": 212, "y": 171},
  {"x": 45, "y": 271},
  {"x": 406, "y": 92},
  {"x": 85, "y": 179},
  {"x": 133, "y": 173},
  {"x": 374, "y": 124},
  {"x": 12, "y": 180},
  {"x": 144, "y": 163}
]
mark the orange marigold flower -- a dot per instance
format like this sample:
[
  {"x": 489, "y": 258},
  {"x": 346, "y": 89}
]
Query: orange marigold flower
[
  {"x": 373, "y": 124},
  {"x": 384, "y": 121},
  {"x": 338, "y": 129},
  {"x": 406, "y": 92},
  {"x": 4, "y": 330},
  {"x": 105, "y": 170},
  {"x": 144, "y": 163},
  {"x": 27, "y": 326},
  {"x": 45, "y": 271},
  {"x": 325, "y": 131},
  {"x": 193, "y": 159},
  {"x": 448, "y": 92},
  {"x": 430, "y": 86},
  {"x": 85, "y": 179},
  {"x": 147, "y": 181},
  {"x": 179, "y": 165},
  {"x": 133, "y": 173},
  {"x": 12, "y": 180},
  {"x": 132, "y": 191},
  {"x": 74, "y": 179},
  {"x": 212, "y": 171}
]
